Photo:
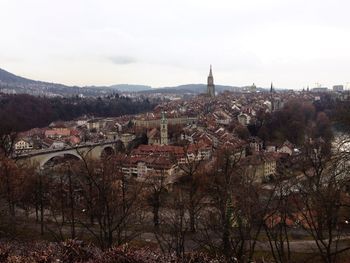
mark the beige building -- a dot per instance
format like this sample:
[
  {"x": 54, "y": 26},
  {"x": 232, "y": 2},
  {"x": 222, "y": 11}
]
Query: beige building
[
  {"x": 141, "y": 167},
  {"x": 152, "y": 122},
  {"x": 126, "y": 138},
  {"x": 286, "y": 147},
  {"x": 243, "y": 119},
  {"x": 153, "y": 137},
  {"x": 260, "y": 167}
]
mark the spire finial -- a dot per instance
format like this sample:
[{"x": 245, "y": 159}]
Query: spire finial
[{"x": 210, "y": 72}]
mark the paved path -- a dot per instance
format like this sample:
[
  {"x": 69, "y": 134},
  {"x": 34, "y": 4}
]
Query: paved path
[{"x": 302, "y": 246}]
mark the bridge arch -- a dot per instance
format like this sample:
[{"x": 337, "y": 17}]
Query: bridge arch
[
  {"x": 49, "y": 157},
  {"x": 107, "y": 150},
  {"x": 89, "y": 150}
]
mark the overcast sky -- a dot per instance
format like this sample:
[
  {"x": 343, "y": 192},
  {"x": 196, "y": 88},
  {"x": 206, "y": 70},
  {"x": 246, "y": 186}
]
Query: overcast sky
[{"x": 293, "y": 43}]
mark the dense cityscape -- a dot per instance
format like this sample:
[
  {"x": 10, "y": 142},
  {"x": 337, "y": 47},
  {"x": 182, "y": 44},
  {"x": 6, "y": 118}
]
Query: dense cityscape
[{"x": 236, "y": 176}]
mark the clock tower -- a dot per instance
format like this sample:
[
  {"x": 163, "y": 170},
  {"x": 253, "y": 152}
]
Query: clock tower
[{"x": 163, "y": 130}]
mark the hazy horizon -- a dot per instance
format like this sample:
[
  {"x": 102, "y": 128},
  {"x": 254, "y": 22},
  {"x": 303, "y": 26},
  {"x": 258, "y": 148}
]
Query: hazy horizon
[{"x": 293, "y": 44}]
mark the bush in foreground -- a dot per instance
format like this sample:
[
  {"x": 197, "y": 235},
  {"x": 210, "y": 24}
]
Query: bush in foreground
[{"x": 78, "y": 251}]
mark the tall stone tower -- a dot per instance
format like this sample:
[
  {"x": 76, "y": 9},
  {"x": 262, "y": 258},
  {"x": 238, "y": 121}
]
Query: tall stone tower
[
  {"x": 211, "y": 86},
  {"x": 163, "y": 130}
]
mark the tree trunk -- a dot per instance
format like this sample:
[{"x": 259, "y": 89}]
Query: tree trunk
[
  {"x": 71, "y": 197},
  {"x": 41, "y": 205},
  {"x": 156, "y": 215}
]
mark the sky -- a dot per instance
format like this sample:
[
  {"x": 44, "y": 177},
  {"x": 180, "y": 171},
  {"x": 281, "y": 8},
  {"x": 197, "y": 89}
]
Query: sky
[{"x": 292, "y": 43}]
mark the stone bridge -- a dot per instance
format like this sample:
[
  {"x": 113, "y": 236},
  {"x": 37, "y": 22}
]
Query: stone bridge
[{"x": 87, "y": 150}]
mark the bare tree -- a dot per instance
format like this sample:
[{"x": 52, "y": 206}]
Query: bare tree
[
  {"x": 193, "y": 181},
  {"x": 277, "y": 222},
  {"x": 155, "y": 191},
  {"x": 7, "y": 141},
  {"x": 9, "y": 175},
  {"x": 234, "y": 218},
  {"x": 112, "y": 200},
  {"x": 320, "y": 199},
  {"x": 172, "y": 236}
]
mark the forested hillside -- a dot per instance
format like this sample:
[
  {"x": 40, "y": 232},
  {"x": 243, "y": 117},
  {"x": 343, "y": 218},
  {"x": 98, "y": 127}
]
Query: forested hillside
[{"x": 22, "y": 112}]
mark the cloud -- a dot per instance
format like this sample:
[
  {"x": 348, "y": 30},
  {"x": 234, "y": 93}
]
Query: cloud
[
  {"x": 159, "y": 43},
  {"x": 11, "y": 59},
  {"x": 122, "y": 60}
]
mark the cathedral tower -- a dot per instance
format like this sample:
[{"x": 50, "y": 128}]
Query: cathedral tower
[
  {"x": 163, "y": 130},
  {"x": 211, "y": 86}
]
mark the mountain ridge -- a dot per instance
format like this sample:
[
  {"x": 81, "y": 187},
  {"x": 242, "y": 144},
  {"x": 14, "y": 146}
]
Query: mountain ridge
[{"x": 11, "y": 83}]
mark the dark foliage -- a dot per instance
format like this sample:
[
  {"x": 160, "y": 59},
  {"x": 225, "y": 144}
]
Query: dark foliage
[
  {"x": 23, "y": 112},
  {"x": 291, "y": 122},
  {"x": 295, "y": 122},
  {"x": 341, "y": 116}
]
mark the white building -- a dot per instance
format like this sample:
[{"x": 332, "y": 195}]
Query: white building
[{"x": 23, "y": 145}]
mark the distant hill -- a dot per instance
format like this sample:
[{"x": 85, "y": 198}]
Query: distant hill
[
  {"x": 7, "y": 78},
  {"x": 191, "y": 88},
  {"x": 11, "y": 83},
  {"x": 130, "y": 87}
]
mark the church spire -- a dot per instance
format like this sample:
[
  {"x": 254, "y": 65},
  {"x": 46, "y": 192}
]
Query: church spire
[{"x": 210, "y": 85}]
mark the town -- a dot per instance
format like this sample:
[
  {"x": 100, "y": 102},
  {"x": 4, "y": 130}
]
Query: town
[
  {"x": 174, "y": 131},
  {"x": 230, "y": 174},
  {"x": 190, "y": 129}
]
